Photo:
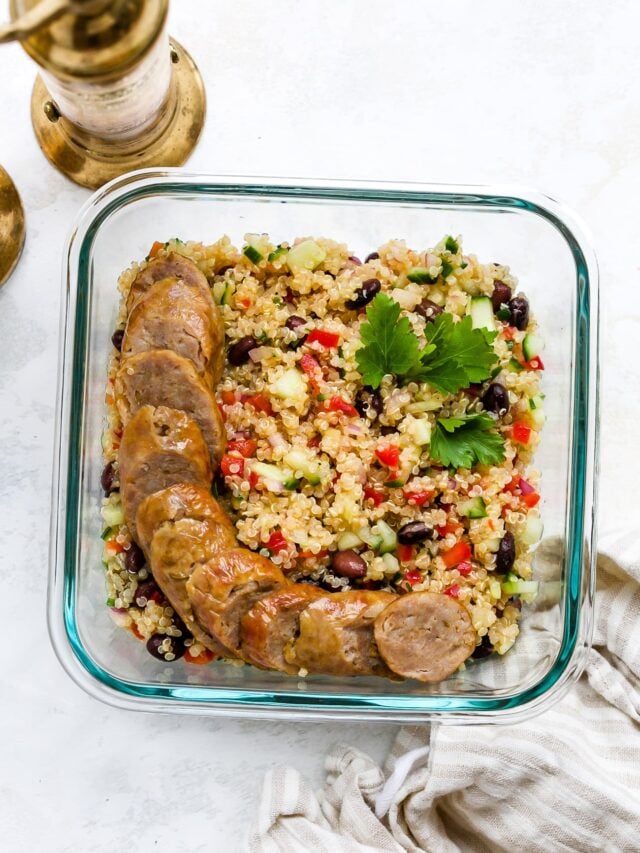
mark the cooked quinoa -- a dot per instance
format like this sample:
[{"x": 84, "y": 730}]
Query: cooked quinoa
[{"x": 319, "y": 465}]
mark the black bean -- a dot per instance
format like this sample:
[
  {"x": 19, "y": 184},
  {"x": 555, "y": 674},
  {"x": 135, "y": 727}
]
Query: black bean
[
  {"x": 501, "y": 294},
  {"x": 428, "y": 309},
  {"x": 365, "y": 294},
  {"x": 134, "y": 559},
  {"x": 348, "y": 564},
  {"x": 372, "y": 256},
  {"x": 506, "y": 555},
  {"x": 484, "y": 649},
  {"x": 294, "y": 322},
  {"x": 368, "y": 403},
  {"x": 116, "y": 338},
  {"x": 355, "y": 260},
  {"x": 519, "y": 307},
  {"x": 176, "y": 646},
  {"x": 414, "y": 531},
  {"x": 149, "y": 590},
  {"x": 223, "y": 270},
  {"x": 238, "y": 353},
  {"x": 108, "y": 479},
  {"x": 496, "y": 399}
]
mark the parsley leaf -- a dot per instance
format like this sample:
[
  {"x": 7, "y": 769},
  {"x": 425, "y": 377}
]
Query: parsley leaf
[
  {"x": 389, "y": 344},
  {"x": 466, "y": 441},
  {"x": 457, "y": 355}
]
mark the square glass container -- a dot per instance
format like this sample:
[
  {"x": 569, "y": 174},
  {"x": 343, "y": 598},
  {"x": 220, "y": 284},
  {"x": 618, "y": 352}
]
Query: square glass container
[{"x": 545, "y": 248}]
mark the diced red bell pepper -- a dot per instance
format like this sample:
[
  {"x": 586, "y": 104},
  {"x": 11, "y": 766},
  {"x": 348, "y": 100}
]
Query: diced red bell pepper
[
  {"x": 377, "y": 496},
  {"x": 508, "y": 333},
  {"x": 153, "y": 251},
  {"x": 465, "y": 568},
  {"x": 531, "y": 499},
  {"x": 277, "y": 542},
  {"x": 312, "y": 369},
  {"x": 260, "y": 402},
  {"x": 453, "y": 591},
  {"x": 460, "y": 553},
  {"x": 405, "y": 553},
  {"x": 136, "y": 632},
  {"x": 337, "y": 404},
  {"x": 389, "y": 455},
  {"x": 245, "y": 302},
  {"x": 324, "y": 338},
  {"x": 446, "y": 529},
  {"x": 114, "y": 547},
  {"x": 232, "y": 465},
  {"x": 244, "y": 446},
  {"x": 413, "y": 576},
  {"x": 418, "y": 498},
  {"x": 205, "y": 657},
  {"x": 229, "y": 398},
  {"x": 520, "y": 432},
  {"x": 253, "y": 479},
  {"x": 308, "y": 555},
  {"x": 314, "y": 441},
  {"x": 534, "y": 364}
]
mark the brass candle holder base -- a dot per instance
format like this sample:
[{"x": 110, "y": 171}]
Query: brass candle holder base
[
  {"x": 11, "y": 226},
  {"x": 92, "y": 161}
]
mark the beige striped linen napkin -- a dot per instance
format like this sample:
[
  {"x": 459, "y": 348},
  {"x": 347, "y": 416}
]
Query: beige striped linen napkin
[{"x": 567, "y": 780}]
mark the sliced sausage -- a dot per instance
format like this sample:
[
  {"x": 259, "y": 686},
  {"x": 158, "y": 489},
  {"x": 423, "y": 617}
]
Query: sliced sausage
[
  {"x": 425, "y": 635},
  {"x": 177, "y": 266},
  {"x": 177, "y": 549},
  {"x": 272, "y": 624},
  {"x": 172, "y": 315},
  {"x": 336, "y": 635},
  {"x": 183, "y": 501},
  {"x": 224, "y": 588},
  {"x": 162, "y": 378},
  {"x": 160, "y": 447}
]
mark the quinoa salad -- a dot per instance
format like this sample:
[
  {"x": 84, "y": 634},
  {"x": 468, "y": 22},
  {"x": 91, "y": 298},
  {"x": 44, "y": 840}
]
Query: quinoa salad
[{"x": 381, "y": 416}]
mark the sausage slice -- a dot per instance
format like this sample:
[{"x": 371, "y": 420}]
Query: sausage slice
[
  {"x": 177, "y": 548},
  {"x": 174, "y": 265},
  {"x": 172, "y": 315},
  {"x": 162, "y": 378},
  {"x": 336, "y": 634},
  {"x": 224, "y": 588},
  {"x": 184, "y": 501},
  {"x": 273, "y": 623},
  {"x": 159, "y": 447},
  {"x": 425, "y": 635}
]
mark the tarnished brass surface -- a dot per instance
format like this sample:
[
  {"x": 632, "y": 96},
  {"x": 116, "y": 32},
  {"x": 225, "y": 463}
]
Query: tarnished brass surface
[
  {"x": 92, "y": 161},
  {"x": 11, "y": 226}
]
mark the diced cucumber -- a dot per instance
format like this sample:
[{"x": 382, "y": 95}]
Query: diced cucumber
[
  {"x": 292, "y": 484},
  {"x": 389, "y": 539},
  {"x": 274, "y": 477},
  {"x": 227, "y": 296},
  {"x": 394, "y": 484},
  {"x": 473, "y": 508},
  {"x": 369, "y": 538},
  {"x": 298, "y": 460},
  {"x": 532, "y": 345},
  {"x": 420, "y": 431},
  {"x": 481, "y": 311},
  {"x": 257, "y": 248},
  {"x": 391, "y": 564},
  {"x": 253, "y": 254},
  {"x": 107, "y": 533},
  {"x": 278, "y": 253},
  {"x": 218, "y": 291},
  {"x": 513, "y": 585},
  {"x": 451, "y": 245},
  {"x": 420, "y": 275},
  {"x": 290, "y": 385},
  {"x": 504, "y": 314},
  {"x": 495, "y": 589},
  {"x": 532, "y": 532},
  {"x": 515, "y": 366},
  {"x": 349, "y": 540},
  {"x": 112, "y": 514},
  {"x": 537, "y": 418},
  {"x": 305, "y": 256},
  {"x": 536, "y": 402},
  {"x": 424, "y": 406},
  {"x": 447, "y": 269}
]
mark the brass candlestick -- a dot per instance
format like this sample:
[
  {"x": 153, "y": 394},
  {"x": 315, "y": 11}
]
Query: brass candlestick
[
  {"x": 114, "y": 93},
  {"x": 11, "y": 226}
]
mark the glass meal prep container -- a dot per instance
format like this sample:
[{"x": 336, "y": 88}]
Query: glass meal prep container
[{"x": 555, "y": 267}]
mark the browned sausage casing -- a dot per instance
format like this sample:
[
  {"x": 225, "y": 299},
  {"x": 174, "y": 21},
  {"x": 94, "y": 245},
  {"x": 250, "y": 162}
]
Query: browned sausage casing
[
  {"x": 162, "y": 378},
  {"x": 223, "y": 589},
  {"x": 336, "y": 634},
  {"x": 424, "y": 635},
  {"x": 159, "y": 447},
  {"x": 272, "y": 624}
]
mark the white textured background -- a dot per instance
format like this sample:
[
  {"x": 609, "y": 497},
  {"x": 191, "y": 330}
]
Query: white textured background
[{"x": 535, "y": 92}]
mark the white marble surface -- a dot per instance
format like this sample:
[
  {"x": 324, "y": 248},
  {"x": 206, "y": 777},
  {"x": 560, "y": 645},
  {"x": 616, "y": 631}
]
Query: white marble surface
[{"x": 535, "y": 92}]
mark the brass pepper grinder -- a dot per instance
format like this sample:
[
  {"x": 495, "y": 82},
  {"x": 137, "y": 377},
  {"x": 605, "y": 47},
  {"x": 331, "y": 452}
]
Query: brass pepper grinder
[
  {"x": 114, "y": 93},
  {"x": 11, "y": 226}
]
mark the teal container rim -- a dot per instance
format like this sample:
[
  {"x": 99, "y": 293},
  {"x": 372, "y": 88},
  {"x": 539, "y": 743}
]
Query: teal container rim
[{"x": 580, "y": 569}]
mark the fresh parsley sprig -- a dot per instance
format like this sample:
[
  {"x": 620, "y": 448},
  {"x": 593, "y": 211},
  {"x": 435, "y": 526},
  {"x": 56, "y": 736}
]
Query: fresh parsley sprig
[
  {"x": 467, "y": 440},
  {"x": 455, "y": 355}
]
